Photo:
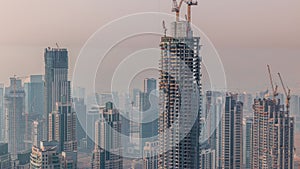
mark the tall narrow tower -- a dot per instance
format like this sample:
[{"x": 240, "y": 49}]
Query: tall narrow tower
[
  {"x": 108, "y": 149},
  {"x": 56, "y": 74},
  {"x": 179, "y": 98},
  {"x": 14, "y": 110},
  {"x": 59, "y": 112},
  {"x": 232, "y": 133}
]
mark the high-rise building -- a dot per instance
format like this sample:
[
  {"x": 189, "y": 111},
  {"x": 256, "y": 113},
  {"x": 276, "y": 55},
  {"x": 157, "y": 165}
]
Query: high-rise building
[
  {"x": 5, "y": 160},
  {"x": 34, "y": 105},
  {"x": 149, "y": 111},
  {"x": 150, "y": 157},
  {"x": 295, "y": 110},
  {"x": 211, "y": 137},
  {"x": 149, "y": 85},
  {"x": 179, "y": 98},
  {"x": 45, "y": 156},
  {"x": 62, "y": 127},
  {"x": 59, "y": 110},
  {"x": 37, "y": 132},
  {"x": 232, "y": 133},
  {"x": 2, "y": 114},
  {"x": 248, "y": 143},
  {"x": 108, "y": 148},
  {"x": 80, "y": 109},
  {"x": 273, "y": 135},
  {"x": 247, "y": 100},
  {"x": 34, "y": 99},
  {"x": 14, "y": 110},
  {"x": 69, "y": 159},
  {"x": 207, "y": 160},
  {"x": 92, "y": 116},
  {"x": 56, "y": 75}
]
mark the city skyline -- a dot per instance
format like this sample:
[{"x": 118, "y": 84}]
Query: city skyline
[{"x": 181, "y": 84}]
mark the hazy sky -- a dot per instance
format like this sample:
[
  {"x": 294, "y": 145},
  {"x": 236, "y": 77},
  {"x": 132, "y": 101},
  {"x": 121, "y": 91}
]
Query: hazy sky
[{"x": 248, "y": 34}]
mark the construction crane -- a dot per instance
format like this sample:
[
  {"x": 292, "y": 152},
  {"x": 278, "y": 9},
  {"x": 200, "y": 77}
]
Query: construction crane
[
  {"x": 274, "y": 89},
  {"x": 165, "y": 28},
  {"x": 176, "y": 8},
  {"x": 287, "y": 93}
]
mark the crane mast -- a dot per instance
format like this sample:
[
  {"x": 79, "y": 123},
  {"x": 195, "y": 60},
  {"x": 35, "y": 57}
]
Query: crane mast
[
  {"x": 287, "y": 93},
  {"x": 176, "y": 8},
  {"x": 274, "y": 89}
]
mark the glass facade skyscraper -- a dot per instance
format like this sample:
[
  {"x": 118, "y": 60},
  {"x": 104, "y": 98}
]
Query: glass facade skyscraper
[{"x": 56, "y": 74}]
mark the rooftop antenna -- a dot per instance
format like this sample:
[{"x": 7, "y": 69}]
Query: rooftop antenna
[
  {"x": 165, "y": 29},
  {"x": 57, "y": 45}
]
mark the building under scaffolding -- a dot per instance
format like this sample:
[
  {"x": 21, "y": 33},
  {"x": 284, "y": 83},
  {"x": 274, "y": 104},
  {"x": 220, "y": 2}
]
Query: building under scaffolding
[
  {"x": 180, "y": 98},
  {"x": 273, "y": 135}
]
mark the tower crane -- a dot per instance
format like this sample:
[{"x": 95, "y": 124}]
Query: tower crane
[
  {"x": 274, "y": 89},
  {"x": 176, "y": 8},
  {"x": 165, "y": 28},
  {"x": 287, "y": 93}
]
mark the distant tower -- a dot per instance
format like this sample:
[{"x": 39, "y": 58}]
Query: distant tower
[
  {"x": 180, "y": 97},
  {"x": 37, "y": 132},
  {"x": 108, "y": 148},
  {"x": 248, "y": 143},
  {"x": 56, "y": 74},
  {"x": 34, "y": 99},
  {"x": 2, "y": 114},
  {"x": 211, "y": 142},
  {"x": 232, "y": 133},
  {"x": 149, "y": 111},
  {"x": 149, "y": 85},
  {"x": 62, "y": 127},
  {"x": 150, "y": 157},
  {"x": 14, "y": 109}
]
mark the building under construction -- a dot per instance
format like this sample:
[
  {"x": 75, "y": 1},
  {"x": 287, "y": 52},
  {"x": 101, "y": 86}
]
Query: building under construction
[
  {"x": 273, "y": 132},
  {"x": 273, "y": 135},
  {"x": 180, "y": 95},
  {"x": 14, "y": 114}
]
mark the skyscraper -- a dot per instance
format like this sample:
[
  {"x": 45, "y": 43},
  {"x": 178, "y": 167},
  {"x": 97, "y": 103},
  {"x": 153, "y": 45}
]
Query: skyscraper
[
  {"x": 80, "y": 109},
  {"x": 248, "y": 143},
  {"x": 273, "y": 135},
  {"x": 2, "y": 114},
  {"x": 14, "y": 109},
  {"x": 149, "y": 85},
  {"x": 62, "y": 127},
  {"x": 37, "y": 132},
  {"x": 179, "y": 98},
  {"x": 211, "y": 137},
  {"x": 59, "y": 111},
  {"x": 108, "y": 149},
  {"x": 34, "y": 105},
  {"x": 34, "y": 99},
  {"x": 150, "y": 157},
  {"x": 56, "y": 74},
  {"x": 232, "y": 133},
  {"x": 149, "y": 111}
]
